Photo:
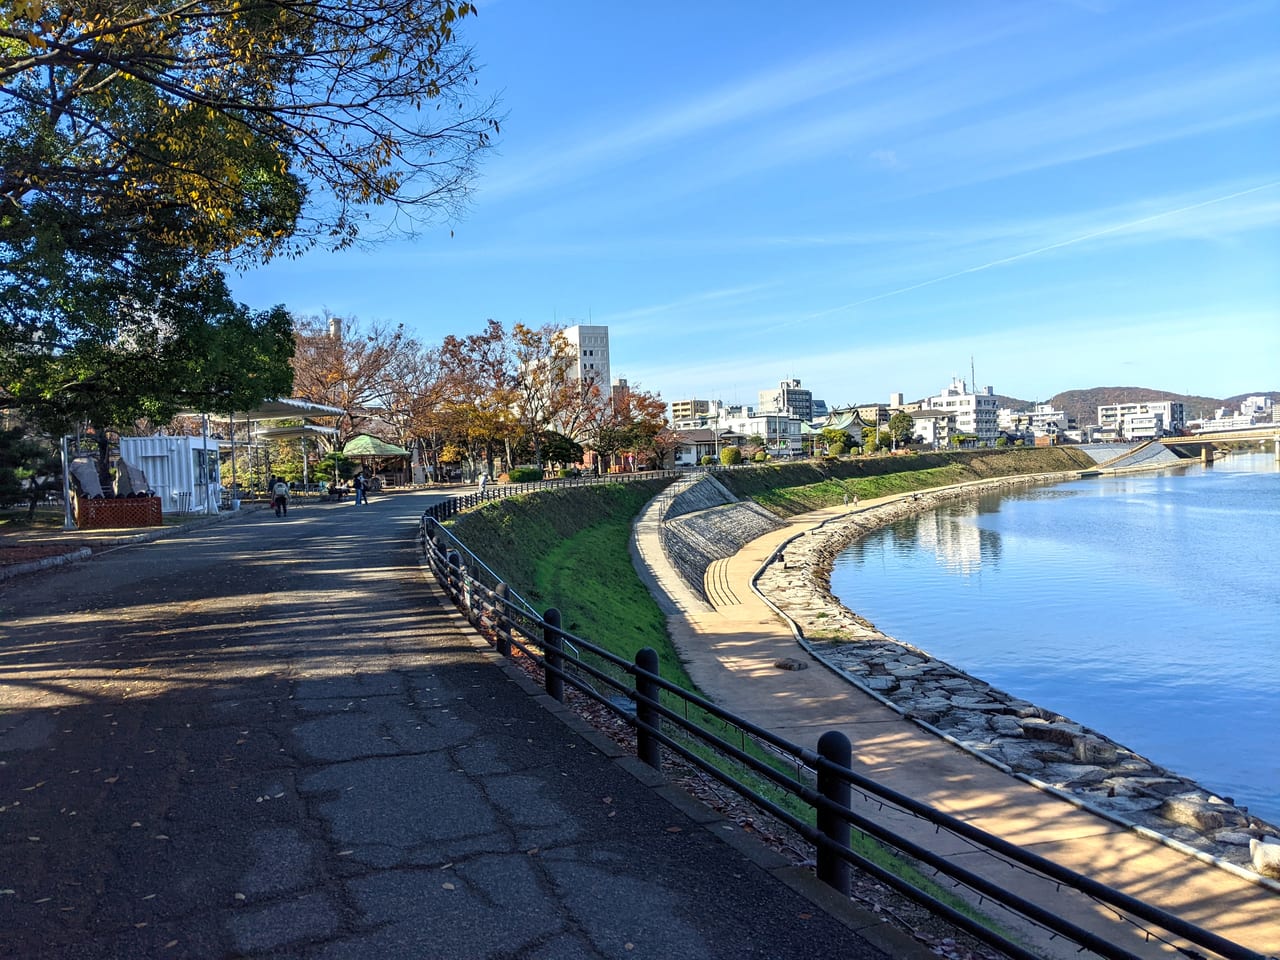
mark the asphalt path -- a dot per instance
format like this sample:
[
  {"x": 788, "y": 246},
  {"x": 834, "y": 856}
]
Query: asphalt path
[{"x": 273, "y": 738}]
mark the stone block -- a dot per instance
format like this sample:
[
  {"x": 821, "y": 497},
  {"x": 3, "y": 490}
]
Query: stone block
[
  {"x": 1094, "y": 750},
  {"x": 1006, "y": 726},
  {"x": 1063, "y": 734},
  {"x": 1201, "y": 813},
  {"x": 1265, "y": 855}
]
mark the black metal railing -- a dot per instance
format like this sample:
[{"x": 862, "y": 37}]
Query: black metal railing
[
  {"x": 813, "y": 792},
  {"x": 445, "y": 509}
]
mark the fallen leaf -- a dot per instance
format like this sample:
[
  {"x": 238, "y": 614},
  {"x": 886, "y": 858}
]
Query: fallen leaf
[
  {"x": 345, "y": 853},
  {"x": 240, "y": 896},
  {"x": 111, "y": 779},
  {"x": 675, "y": 829},
  {"x": 448, "y": 886},
  {"x": 149, "y": 896}
]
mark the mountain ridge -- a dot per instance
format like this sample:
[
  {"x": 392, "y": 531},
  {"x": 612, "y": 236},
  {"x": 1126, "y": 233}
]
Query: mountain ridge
[{"x": 1083, "y": 404}]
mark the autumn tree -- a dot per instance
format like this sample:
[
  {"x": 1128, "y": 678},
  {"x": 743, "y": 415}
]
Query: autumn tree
[
  {"x": 477, "y": 373},
  {"x": 359, "y": 367},
  {"x": 541, "y": 386},
  {"x": 254, "y": 128}
]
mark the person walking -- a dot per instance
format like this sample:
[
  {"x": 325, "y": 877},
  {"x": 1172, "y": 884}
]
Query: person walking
[
  {"x": 484, "y": 482},
  {"x": 361, "y": 489},
  {"x": 280, "y": 497}
]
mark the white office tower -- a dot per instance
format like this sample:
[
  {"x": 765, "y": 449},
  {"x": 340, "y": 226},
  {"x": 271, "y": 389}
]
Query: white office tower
[{"x": 592, "y": 346}]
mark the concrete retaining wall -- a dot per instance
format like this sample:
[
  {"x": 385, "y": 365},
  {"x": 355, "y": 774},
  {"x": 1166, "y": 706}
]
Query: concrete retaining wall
[{"x": 704, "y": 523}]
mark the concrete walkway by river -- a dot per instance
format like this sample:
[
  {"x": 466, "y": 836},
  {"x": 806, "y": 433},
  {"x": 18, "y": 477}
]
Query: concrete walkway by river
[{"x": 730, "y": 648}]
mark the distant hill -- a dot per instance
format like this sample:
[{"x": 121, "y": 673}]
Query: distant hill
[{"x": 1084, "y": 404}]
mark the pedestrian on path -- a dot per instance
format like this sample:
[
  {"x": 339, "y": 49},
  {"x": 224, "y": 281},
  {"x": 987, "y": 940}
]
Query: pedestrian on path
[
  {"x": 280, "y": 497},
  {"x": 362, "y": 495},
  {"x": 484, "y": 482}
]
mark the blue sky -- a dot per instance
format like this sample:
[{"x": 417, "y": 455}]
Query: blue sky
[{"x": 863, "y": 196}]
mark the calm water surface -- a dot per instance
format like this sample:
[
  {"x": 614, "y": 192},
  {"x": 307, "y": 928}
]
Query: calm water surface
[{"x": 1146, "y": 607}]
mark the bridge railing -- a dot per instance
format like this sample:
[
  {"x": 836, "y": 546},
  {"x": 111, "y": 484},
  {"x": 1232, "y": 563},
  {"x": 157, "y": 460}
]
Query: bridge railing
[{"x": 843, "y": 815}]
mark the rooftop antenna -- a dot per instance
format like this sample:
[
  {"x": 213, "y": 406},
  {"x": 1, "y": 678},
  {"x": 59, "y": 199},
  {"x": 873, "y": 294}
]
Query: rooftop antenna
[{"x": 973, "y": 379}]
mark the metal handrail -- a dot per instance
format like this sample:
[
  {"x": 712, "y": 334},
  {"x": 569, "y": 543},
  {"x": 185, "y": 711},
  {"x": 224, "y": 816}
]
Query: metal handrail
[{"x": 534, "y": 634}]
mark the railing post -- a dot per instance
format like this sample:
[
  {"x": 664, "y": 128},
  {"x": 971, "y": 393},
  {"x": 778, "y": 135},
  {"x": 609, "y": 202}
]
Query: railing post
[
  {"x": 648, "y": 720},
  {"x": 468, "y": 596},
  {"x": 833, "y": 869},
  {"x": 454, "y": 578},
  {"x": 552, "y": 645},
  {"x": 503, "y": 592}
]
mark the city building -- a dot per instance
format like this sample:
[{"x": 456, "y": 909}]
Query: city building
[
  {"x": 789, "y": 398},
  {"x": 690, "y": 409},
  {"x": 934, "y": 427},
  {"x": 977, "y": 414},
  {"x": 592, "y": 346},
  {"x": 1136, "y": 421},
  {"x": 1252, "y": 411},
  {"x": 1041, "y": 421}
]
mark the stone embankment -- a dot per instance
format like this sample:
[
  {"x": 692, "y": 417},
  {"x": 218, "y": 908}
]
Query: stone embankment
[
  {"x": 1032, "y": 743},
  {"x": 703, "y": 522}
]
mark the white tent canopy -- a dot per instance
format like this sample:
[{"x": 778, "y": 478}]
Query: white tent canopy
[{"x": 292, "y": 433}]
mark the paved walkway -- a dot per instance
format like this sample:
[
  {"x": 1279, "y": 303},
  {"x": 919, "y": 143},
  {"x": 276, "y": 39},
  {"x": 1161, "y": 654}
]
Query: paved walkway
[
  {"x": 272, "y": 738},
  {"x": 730, "y": 647}
]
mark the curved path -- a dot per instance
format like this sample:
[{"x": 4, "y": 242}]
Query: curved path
[{"x": 729, "y": 648}]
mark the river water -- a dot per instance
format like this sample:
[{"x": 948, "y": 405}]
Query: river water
[{"x": 1146, "y": 607}]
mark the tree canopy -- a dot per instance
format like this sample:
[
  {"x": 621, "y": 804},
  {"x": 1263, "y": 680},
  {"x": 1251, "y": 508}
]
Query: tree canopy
[
  {"x": 255, "y": 127},
  {"x": 108, "y": 343}
]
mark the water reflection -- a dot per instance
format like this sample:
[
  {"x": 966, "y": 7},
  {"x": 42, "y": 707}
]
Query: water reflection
[{"x": 1142, "y": 606}]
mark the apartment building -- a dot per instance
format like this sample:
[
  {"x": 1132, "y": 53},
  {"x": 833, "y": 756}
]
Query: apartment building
[
  {"x": 683, "y": 410},
  {"x": 1137, "y": 421},
  {"x": 976, "y": 414},
  {"x": 789, "y": 398}
]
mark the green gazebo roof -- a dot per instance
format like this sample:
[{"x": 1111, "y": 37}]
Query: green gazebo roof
[{"x": 367, "y": 446}]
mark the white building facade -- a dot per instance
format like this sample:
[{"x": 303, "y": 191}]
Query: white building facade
[
  {"x": 976, "y": 414},
  {"x": 790, "y": 398},
  {"x": 1138, "y": 421},
  {"x": 591, "y": 344}
]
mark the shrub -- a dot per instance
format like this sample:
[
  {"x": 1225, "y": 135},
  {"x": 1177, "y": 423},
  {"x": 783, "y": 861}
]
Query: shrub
[
  {"x": 524, "y": 474},
  {"x": 568, "y": 472},
  {"x": 731, "y": 456},
  {"x": 760, "y": 457},
  {"x": 707, "y": 460},
  {"x": 836, "y": 449}
]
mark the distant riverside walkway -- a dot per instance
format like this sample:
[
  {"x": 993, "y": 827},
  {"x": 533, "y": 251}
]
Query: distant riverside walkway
[{"x": 730, "y": 640}]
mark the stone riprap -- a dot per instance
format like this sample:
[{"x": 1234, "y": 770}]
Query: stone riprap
[
  {"x": 1028, "y": 741},
  {"x": 1033, "y": 743}
]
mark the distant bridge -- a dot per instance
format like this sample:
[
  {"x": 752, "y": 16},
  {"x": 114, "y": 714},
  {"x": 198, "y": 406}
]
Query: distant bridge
[{"x": 1203, "y": 445}]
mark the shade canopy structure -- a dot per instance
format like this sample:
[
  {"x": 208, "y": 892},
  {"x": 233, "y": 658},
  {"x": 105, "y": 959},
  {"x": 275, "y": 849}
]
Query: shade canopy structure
[
  {"x": 279, "y": 408},
  {"x": 367, "y": 446},
  {"x": 293, "y": 433}
]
